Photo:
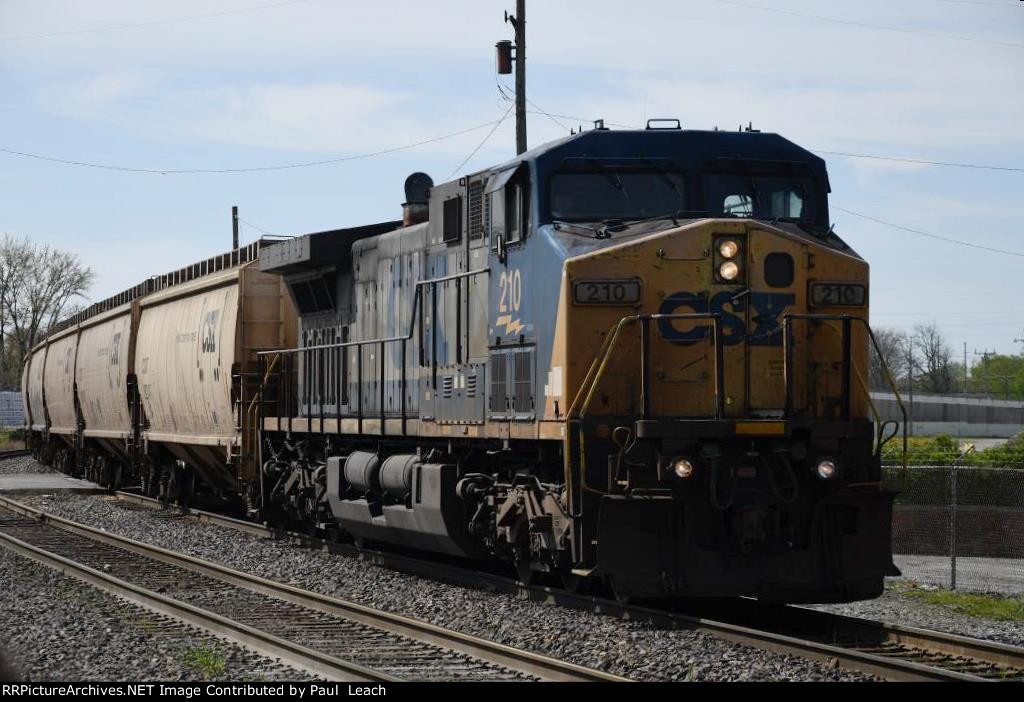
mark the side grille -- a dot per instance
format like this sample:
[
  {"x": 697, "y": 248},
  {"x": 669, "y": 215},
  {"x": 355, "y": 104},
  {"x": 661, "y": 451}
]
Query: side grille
[
  {"x": 523, "y": 385},
  {"x": 471, "y": 385},
  {"x": 447, "y": 383},
  {"x": 499, "y": 378},
  {"x": 476, "y": 209}
]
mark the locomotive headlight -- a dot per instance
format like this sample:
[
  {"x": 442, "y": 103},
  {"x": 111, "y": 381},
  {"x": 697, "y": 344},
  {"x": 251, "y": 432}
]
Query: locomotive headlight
[
  {"x": 682, "y": 468},
  {"x": 826, "y": 470},
  {"x": 728, "y": 248},
  {"x": 728, "y": 270}
]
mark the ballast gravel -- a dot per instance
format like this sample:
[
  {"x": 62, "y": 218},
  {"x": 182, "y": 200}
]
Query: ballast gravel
[
  {"x": 57, "y": 629},
  {"x": 898, "y": 609},
  {"x": 22, "y": 465},
  {"x": 632, "y": 649}
]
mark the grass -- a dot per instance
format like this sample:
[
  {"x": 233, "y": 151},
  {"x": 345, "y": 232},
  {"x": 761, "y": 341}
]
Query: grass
[
  {"x": 1008, "y": 609},
  {"x": 11, "y": 439},
  {"x": 206, "y": 660}
]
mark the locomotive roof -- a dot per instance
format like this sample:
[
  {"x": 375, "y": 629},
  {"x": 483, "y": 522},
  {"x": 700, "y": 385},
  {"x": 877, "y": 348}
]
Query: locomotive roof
[{"x": 684, "y": 147}]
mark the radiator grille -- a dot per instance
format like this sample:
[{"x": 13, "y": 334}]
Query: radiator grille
[
  {"x": 476, "y": 209},
  {"x": 499, "y": 377},
  {"x": 523, "y": 387}
]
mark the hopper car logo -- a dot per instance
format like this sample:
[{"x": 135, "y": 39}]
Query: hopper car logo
[
  {"x": 115, "y": 349},
  {"x": 766, "y": 309},
  {"x": 209, "y": 343}
]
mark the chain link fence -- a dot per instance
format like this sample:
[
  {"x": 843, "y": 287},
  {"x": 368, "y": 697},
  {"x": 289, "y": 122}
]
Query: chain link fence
[{"x": 959, "y": 527}]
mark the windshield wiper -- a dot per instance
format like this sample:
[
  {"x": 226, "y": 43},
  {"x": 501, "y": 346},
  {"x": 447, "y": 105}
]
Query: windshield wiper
[
  {"x": 559, "y": 224},
  {"x": 611, "y": 174}
]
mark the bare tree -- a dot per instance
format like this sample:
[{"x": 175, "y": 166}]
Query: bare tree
[
  {"x": 38, "y": 285},
  {"x": 893, "y": 345},
  {"x": 937, "y": 371}
]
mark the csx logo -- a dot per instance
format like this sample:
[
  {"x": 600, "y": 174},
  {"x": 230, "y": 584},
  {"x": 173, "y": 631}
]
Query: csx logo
[
  {"x": 765, "y": 312},
  {"x": 209, "y": 341}
]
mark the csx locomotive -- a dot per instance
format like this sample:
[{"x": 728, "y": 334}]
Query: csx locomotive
[{"x": 632, "y": 358}]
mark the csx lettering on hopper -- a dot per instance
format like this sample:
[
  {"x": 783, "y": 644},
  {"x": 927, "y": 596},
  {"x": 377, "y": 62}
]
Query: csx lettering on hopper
[{"x": 629, "y": 358}]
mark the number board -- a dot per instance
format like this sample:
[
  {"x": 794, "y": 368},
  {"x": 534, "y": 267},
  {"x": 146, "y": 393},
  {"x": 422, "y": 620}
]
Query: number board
[
  {"x": 606, "y": 292},
  {"x": 839, "y": 294}
]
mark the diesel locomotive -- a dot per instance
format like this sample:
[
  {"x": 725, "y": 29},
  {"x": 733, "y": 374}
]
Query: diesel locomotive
[{"x": 626, "y": 358}]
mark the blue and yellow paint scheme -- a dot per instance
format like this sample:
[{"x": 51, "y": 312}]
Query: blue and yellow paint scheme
[{"x": 636, "y": 358}]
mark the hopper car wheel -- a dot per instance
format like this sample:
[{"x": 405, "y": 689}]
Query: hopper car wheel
[
  {"x": 149, "y": 481},
  {"x": 187, "y": 489}
]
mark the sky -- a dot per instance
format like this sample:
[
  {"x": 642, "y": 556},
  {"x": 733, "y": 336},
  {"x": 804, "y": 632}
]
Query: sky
[{"x": 148, "y": 85}]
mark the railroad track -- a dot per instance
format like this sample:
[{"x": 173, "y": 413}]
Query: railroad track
[
  {"x": 13, "y": 453},
  {"x": 890, "y": 651},
  {"x": 313, "y": 632}
]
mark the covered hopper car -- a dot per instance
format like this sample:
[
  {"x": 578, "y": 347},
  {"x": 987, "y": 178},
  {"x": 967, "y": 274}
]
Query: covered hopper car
[{"x": 633, "y": 359}]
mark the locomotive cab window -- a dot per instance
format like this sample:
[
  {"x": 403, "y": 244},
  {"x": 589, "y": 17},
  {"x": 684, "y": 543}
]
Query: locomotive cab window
[
  {"x": 759, "y": 197},
  {"x": 508, "y": 197},
  {"x": 517, "y": 203},
  {"x": 610, "y": 192}
]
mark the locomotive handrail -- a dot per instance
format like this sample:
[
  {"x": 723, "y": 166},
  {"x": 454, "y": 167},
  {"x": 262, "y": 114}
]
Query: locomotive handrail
[
  {"x": 384, "y": 340},
  {"x": 847, "y": 321},
  {"x": 415, "y": 323},
  {"x": 600, "y": 365}
]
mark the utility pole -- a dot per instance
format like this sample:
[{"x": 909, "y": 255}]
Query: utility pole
[
  {"x": 518, "y": 22},
  {"x": 984, "y": 366},
  {"x": 234, "y": 227},
  {"x": 965, "y": 368},
  {"x": 910, "y": 389}
]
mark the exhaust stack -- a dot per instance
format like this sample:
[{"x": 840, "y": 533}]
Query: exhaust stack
[{"x": 416, "y": 208}]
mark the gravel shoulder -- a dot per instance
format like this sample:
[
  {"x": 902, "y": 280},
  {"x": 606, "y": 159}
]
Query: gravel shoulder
[
  {"x": 632, "y": 649},
  {"x": 58, "y": 629},
  {"x": 22, "y": 465},
  {"x": 899, "y": 609}
]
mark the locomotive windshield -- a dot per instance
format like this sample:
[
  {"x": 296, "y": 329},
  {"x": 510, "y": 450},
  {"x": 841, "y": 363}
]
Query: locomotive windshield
[
  {"x": 616, "y": 193},
  {"x": 759, "y": 197}
]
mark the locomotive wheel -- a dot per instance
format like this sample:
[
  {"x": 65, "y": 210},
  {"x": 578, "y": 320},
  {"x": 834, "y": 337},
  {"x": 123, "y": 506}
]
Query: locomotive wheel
[
  {"x": 576, "y": 584},
  {"x": 521, "y": 554}
]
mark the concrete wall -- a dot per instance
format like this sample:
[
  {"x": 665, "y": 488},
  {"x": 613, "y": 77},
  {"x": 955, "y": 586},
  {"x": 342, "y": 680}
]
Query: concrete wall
[{"x": 956, "y": 416}]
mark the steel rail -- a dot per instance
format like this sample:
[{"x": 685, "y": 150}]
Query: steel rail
[
  {"x": 764, "y": 637},
  {"x": 14, "y": 453},
  {"x": 525, "y": 662},
  {"x": 295, "y": 655}
]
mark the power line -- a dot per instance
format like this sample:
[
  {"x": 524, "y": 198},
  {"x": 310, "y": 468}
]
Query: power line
[
  {"x": 920, "y": 161},
  {"x": 866, "y": 25},
  {"x": 255, "y": 169},
  {"x": 259, "y": 229},
  {"x": 153, "y": 23},
  {"x": 487, "y": 138},
  {"x": 502, "y": 89},
  {"x": 927, "y": 234},
  {"x": 847, "y": 154},
  {"x": 984, "y": 2}
]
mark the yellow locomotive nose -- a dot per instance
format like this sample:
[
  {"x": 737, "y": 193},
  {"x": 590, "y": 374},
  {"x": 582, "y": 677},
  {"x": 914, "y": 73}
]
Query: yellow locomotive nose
[{"x": 739, "y": 277}]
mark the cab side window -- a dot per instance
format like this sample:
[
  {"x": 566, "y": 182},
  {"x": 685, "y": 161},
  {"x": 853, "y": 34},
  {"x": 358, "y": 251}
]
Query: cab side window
[
  {"x": 507, "y": 207},
  {"x": 517, "y": 203}
]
